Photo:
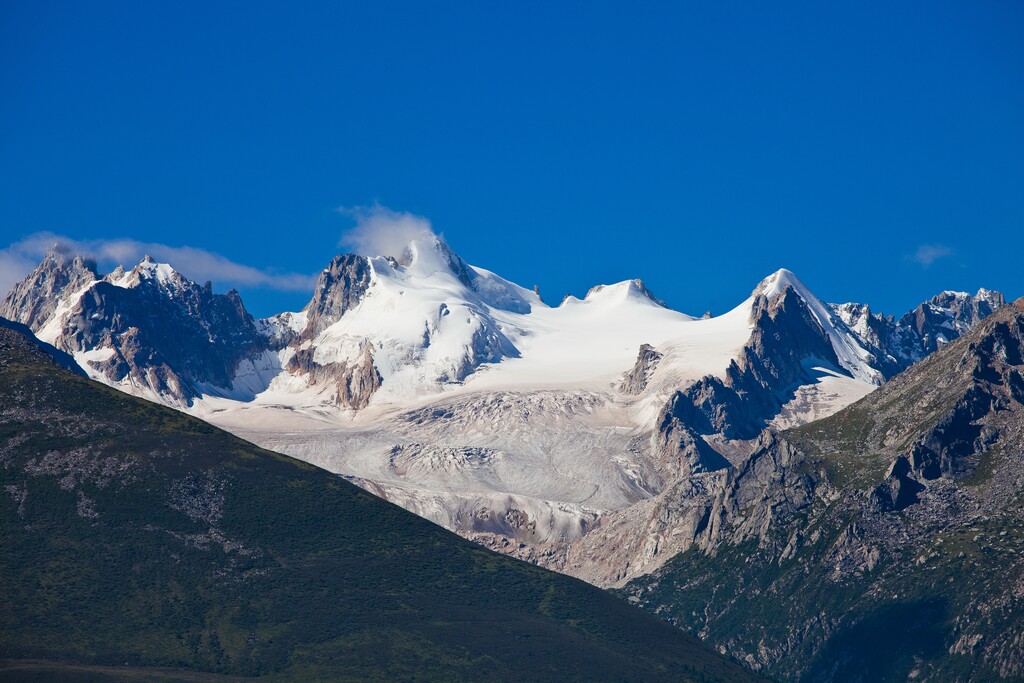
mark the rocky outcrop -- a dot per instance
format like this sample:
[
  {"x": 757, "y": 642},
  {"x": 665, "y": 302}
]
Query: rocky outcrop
[
  {"x": 150, "y": 327},
  {"x": 679, "y": 451},
  {"x": 340, "y": 288},
  {"x": 358, "y": 380},
  {"x": 784, "y": 339},
  {"x": 895, "y": 345},
  {"x": 636, "y": 379},
  {"x": 899, "y": 490},
  {"x": 947, "y": 316},
  {"x": 34, "y": 300},
  {"x": 769, "y": 484},
  {"x": 354, "y": 382}
]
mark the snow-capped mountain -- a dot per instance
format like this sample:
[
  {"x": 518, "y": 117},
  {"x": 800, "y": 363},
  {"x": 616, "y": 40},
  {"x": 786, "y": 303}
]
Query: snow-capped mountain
[
  {"x": 464, "y": 397},
  {"x": 403, "y": 325},
  {"x": 148, "y": 331},
  {"x": 897, "y": 344}
]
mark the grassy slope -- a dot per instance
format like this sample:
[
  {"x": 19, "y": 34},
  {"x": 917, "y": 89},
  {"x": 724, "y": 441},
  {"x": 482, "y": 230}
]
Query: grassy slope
[{"x": 269, "y": 567}]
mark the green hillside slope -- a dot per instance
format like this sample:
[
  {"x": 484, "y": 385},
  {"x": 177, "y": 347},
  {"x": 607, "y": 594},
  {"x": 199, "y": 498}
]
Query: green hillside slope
[{"x": 135, "y": 536}]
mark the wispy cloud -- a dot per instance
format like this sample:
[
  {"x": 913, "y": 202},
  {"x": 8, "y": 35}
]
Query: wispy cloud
[
  {"x": 927, "y": 254},
  {"x": 380, "y": 231},
  {"x": 17, "y": 260}
]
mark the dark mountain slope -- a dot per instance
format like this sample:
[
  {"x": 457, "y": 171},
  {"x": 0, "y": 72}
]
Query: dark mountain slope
[
  {"x": 135, "y": 536},
  {"x": 65, "y": 360},
  {"x": 883, "y": 543}
]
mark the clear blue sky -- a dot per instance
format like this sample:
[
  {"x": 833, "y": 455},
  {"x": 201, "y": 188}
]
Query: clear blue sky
[{"x": 699, "y": 146}]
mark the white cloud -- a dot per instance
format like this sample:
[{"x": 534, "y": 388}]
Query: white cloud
[
  {"x": 380, "y": 231},
  {"x": 927, "y": 254},
  {"x": 17, "y": 260},
  {"x": 14, "y": 266}
]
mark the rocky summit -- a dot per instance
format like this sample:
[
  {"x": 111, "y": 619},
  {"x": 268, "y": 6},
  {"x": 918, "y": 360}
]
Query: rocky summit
[{"x": 148, "y": 329}]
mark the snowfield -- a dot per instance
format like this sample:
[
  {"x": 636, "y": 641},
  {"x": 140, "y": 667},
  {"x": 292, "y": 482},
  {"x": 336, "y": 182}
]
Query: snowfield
[{"x": 500, "y": 413}]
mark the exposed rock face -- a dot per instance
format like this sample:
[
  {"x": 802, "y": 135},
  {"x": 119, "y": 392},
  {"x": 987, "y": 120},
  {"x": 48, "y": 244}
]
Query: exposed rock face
[
  {"x": 890, "y": 534},
  {"x": 898, "y": 344},
  {"x": 358, "y": 380},
  {"x": 460, "y": 268},
  {"x": 282, "y": 329},
  {"x": 341, "y": 286},
  {"x": 355, "y": 381},
  {"x": 696, "y": 511},
  {"x": 34, "y": 300},
  {"x": 639, "y": 284},
  {"x": 636, "y": 379},
  {"x": 784, "y": 339},
  {"x": 948, "y": 315},
  {"x": 894, "y": 347},
  {"x": 156, "y": 334},
  {"x": 765, "y": 485},
  {"x": 486, "y": 345},
  {"x": 150, "y": 327},
  {"x": 679, "y": 451},
  {"x": 787, "y": 339},
  {"x": 168, "y": 334}
]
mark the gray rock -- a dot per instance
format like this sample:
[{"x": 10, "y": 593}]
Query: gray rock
[
  {"x": 340, "y": 288},
  {"x": 898, "y": 344},
  {"x": 165, "y": 333},
  {"x": 354, "y": 382},
  {"x": 34, "y": 300},
  {"x": 636, "y": 379}
]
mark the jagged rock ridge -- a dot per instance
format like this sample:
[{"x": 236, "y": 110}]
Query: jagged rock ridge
[
  {"x": 340, "y": 288},
  {"x": 149, "y": 327},
  {"x": 898, "y": 344}
]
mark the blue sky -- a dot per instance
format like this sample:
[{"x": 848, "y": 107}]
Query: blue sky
[{"x": 875, "y": 149}]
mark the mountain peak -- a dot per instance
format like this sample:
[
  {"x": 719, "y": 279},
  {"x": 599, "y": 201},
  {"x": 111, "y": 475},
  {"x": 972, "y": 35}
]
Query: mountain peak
[
  {"x": 429, "y": 254},
  {"x": 777, "y": 283},
  {"x": 35, "y": 299},
  {"x": 990, "y": 296},
  {"x": 57, "y": 257},
  {"x": 627, "y": 289},
  {"x": 341, "y": 286},
  {"x": 149, "y": 269},
  {"x": 948, "y": 315}
]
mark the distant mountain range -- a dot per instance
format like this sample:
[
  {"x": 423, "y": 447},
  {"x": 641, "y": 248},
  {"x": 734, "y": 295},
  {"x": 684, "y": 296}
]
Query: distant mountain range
[
  {"x": 417, "y": 323},
  {"x": 464, "y": 397}
]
